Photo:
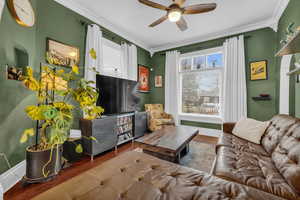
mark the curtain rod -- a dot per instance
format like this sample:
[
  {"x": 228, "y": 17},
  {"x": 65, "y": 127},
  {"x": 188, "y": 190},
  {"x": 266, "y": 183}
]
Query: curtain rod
[
  {"x": 84, "y": 23},
  {"x": 105, "y": 32}
]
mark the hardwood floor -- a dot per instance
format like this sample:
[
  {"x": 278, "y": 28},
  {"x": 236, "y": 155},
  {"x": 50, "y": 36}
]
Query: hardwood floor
[{"x": 18, "y": 192}]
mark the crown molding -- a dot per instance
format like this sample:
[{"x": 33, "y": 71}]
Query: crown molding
[
  {"x": 278, "y": 12},
  {"x": 216, "y": 35},
  {"x": 271, "y": 23},
  {"x": 76, "y": 7}
]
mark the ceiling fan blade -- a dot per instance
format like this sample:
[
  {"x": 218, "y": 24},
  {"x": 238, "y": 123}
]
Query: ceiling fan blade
[
  {"x": 179, "y": 2},
  {"x": 200, "y": 8},
  {"x": 153, "y": 4},
  {"x": 159, "y": 21},
  {"x": 182, "y": 25}
]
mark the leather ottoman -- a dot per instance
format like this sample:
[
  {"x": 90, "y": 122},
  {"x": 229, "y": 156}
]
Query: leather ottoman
[{"x": 138, "y": 176}]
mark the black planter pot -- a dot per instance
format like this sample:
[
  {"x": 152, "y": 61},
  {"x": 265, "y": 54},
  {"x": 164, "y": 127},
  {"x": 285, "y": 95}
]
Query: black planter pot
[{"x": 37, "y": 160}]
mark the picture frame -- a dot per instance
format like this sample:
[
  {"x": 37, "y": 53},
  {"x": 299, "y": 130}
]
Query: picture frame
[
  {"x": 62, "y": 54},
  {"x": 14, "y": 73},
  {"x": 158, "y": 81},
  {"x": 259, "y": 70},
  {"x": 143, "y": 78}
]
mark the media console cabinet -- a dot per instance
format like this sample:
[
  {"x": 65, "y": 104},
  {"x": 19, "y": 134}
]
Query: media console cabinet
[{"x": 111, "y": 131}]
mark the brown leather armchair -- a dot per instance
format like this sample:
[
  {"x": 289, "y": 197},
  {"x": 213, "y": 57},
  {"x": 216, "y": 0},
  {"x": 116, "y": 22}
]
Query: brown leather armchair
[{"x": 157, "y": 118}]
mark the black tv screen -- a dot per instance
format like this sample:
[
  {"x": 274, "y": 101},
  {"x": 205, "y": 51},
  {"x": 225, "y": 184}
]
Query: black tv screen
[{"x": 117, "y": 95}]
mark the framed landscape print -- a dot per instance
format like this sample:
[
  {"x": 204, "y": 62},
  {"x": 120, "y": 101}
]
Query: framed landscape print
[
  {"x": 144, "y": 73},
  {"x": 259, "y": 70},
  {"x": 158, "y": 82},
  {"x": 62, "y": 54}
]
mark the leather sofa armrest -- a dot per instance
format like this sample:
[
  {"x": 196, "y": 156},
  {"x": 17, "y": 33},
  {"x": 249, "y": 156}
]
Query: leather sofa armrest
[{"x": 228, "y": 127}]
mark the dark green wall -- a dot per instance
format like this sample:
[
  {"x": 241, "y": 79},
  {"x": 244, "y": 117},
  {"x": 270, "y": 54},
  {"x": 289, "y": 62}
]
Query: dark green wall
[
  {"x": 56, "y": 22},
  {"x": 291, "y": 14},
  {"x": 13, "y": 97},
  {"x": 62, "y": 24},
  {"x": 260, "y": 45}
]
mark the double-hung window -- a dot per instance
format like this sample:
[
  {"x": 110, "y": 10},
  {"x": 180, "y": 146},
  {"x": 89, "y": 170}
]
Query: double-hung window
[
  {"x": 201, "y": 79},
  {"x": 112, "y": 65}
]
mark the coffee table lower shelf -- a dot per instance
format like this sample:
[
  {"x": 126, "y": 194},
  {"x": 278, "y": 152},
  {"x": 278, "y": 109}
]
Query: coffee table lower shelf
[{"x": 168, "y": 157}]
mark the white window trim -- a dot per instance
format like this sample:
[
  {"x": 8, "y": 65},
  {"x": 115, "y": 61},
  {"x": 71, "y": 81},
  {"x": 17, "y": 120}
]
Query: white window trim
[
  {"x": 111, "y": 44},
  {"x": 216, "y": 119},
  {"x": 203, "y": 52}
]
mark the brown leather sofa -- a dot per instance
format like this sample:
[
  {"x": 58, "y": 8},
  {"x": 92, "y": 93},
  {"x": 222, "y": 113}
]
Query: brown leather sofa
[
  {"x": 273, "y": 166},
  {"x": 246, "y": 171}
]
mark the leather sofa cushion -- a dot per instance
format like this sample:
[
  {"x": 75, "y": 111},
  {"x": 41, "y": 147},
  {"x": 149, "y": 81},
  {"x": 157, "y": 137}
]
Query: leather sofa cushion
[
  {"x": 229, "y": 140},
  {"x": 253, "y": 170},
  {"x": 137, "y": 176},
  {"x": 278, "y": 127},
  {"x": 287, "y": 157}
]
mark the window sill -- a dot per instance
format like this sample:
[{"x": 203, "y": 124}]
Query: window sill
[{"x": 201, "y": 118}]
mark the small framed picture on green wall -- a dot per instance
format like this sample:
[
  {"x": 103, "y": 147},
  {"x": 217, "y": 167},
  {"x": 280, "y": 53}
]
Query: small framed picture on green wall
[
  {"x": 158, "y": 81},
  {"x": 259, "y": 70},
  {"x": 62, "y": 54}
]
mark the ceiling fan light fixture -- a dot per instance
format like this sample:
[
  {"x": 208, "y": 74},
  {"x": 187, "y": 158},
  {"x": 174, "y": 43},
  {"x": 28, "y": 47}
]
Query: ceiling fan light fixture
[
  {"x": 175, "y": 15},
  {"x": 176, "y": 11}
]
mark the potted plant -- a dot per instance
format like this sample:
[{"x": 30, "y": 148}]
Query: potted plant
[{"x": 56, "y": 91}]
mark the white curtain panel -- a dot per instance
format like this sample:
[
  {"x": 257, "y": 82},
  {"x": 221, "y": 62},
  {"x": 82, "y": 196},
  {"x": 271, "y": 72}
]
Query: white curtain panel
[
  {"x": 235, "y": 90},
  {"x": 125, "y": 59},
  {"x": 129, "y": 61},
  {"x": 171, "y": 84},
  {"x": 2, "y": 3},
  {"x": 93, "y": 41},
  {"x": 132, "y": 68},
  {"x": 284, "y": 105}
]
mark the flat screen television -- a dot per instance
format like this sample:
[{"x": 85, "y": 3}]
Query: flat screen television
[{"x": 117, "y": 95}]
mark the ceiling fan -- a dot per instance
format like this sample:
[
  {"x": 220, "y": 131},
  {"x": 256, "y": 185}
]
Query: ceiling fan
[{"x": 176, "y": 10}]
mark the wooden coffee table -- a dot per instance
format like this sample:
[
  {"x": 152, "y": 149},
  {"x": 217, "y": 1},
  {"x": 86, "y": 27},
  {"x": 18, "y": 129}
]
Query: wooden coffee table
[{"x": 170, "y": 143}]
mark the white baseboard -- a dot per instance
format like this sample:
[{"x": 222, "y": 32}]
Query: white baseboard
[
  {"x": 1, "y": 192},
  {"x": 208, "y": 131},
  {"x": 12, "y": 176}
]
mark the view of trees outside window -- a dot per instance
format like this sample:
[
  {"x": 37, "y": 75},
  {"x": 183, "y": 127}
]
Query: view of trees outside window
[
  {"x": 186, "y": 64},
  {"x": 201, "y": 82},
  {"x": 199, "y": 62}
]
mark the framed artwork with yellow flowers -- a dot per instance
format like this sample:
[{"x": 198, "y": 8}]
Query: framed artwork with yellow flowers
[
  {"x": 259, "y": 70},
  {"x": 62, "y": 54}
]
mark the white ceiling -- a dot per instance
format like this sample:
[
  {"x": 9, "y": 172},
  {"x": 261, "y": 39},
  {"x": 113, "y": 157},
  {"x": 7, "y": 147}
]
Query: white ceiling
[{"x": 131, "y": 19}]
